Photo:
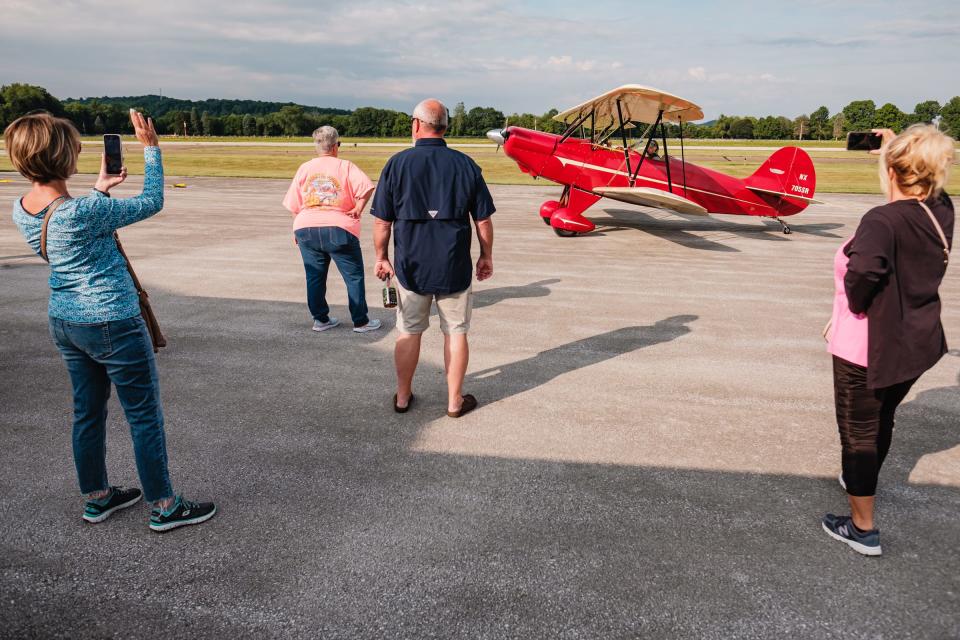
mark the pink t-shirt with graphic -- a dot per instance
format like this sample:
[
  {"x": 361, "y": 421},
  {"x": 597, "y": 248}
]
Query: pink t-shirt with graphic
[
  {"x": 848, "y": 331},
  {"x": 323, "y": 191}
]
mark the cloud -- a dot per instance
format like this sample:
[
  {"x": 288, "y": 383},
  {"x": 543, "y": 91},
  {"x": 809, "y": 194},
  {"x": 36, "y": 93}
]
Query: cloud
[
  {"x": 873, "y": 33},
  {"x": 516, "y": 56}
]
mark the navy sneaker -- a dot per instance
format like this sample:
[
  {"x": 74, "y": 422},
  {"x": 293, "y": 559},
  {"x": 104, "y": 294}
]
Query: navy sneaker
[
  {"x": 841, "y": 528},
  {"x": 183, "y": 512},
  {"x": 119, "y": 498}
]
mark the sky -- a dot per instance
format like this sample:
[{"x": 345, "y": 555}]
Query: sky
[{"x": 736, "y": 58}]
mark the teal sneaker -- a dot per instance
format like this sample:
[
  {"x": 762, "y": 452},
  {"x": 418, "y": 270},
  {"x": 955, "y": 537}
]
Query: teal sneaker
[
  {"x": 118, "y": 498},
  {"x": 182, "y": 513}
]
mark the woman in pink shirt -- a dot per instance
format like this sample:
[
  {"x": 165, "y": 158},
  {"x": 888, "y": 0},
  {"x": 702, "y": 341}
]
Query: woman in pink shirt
[{"x": 326, "y": 198}]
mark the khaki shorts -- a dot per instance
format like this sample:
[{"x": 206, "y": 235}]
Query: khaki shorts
[{"x": 413, "y": 310}]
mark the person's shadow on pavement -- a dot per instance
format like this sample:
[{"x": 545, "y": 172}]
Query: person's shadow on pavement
[
  {"x": 925, "y": 425},
  {"x": 489, "y": 297},
  {"x": 498, "y": 383}
]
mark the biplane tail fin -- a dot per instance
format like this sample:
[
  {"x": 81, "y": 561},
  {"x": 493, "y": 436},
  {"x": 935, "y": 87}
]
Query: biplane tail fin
[{"x": 787, "y": 180}]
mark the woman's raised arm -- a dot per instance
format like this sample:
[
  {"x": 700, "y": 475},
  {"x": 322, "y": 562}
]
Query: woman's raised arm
[{"x": 110, "y": 214}]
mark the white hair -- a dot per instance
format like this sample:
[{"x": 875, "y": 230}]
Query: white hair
[
  {"x": 433, "y": 113},
  {"x": 326, "y": 138}
]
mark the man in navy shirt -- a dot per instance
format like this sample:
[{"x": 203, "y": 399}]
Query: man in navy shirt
[{"x": 426, "y": 196}]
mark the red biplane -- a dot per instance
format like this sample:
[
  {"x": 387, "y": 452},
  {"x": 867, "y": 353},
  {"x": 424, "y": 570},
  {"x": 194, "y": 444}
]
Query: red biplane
[{"x": 591, "y": 168}]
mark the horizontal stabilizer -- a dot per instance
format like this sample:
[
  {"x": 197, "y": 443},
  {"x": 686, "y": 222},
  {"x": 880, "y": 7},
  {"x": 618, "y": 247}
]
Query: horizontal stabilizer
[
  {"x": 785, "y": 195},
  {"x": 647, "y": 197}
]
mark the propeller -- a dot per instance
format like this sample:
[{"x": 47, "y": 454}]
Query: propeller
[{"x": 499, "y": 135}]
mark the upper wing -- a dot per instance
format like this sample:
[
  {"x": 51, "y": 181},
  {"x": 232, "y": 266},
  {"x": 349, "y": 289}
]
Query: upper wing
[{"x": 648, "y": 197}]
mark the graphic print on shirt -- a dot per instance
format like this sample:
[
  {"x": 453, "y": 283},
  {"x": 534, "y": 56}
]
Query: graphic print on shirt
[{"x": 321, "y": 190}]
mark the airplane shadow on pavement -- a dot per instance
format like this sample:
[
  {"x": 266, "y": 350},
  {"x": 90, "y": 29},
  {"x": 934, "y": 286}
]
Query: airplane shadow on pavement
[{"x": 680, "y": 229}]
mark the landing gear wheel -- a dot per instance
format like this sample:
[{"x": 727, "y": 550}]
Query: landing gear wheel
[
  {"x": 563, "y": 233},
  {"x": 546, "y": 221},
  {"x": 786, "y": 229}
]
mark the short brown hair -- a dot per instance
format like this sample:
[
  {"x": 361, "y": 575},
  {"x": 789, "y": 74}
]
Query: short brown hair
[
  {"x": 920, "y": 158},
  {"x": 43, "y": 147}
]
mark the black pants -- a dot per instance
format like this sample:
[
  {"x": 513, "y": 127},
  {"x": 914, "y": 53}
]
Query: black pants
[{"x": 865, "y": 420}]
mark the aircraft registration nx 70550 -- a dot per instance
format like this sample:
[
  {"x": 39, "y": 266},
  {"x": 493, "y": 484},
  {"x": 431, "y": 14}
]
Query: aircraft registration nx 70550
[{"x": 591, "y": 168}]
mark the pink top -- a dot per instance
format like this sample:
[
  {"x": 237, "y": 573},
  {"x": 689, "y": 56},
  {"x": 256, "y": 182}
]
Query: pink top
[
  {"x": 847, "y": 337},
  {"x": 324, "y": 191}
]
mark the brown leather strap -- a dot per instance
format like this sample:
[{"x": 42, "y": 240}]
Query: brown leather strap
[
  {"x": 133, "y": 274},
  {"x": 46, "y": 222},
  {"x": 146, "y": 309},
  {"x": 943, "y": 237}
]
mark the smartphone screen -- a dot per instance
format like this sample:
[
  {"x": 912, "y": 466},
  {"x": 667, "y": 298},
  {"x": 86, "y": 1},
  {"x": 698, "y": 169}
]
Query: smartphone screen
[
  {"x": 863, "y": 141},
  {"x": 114, "y": 151}
]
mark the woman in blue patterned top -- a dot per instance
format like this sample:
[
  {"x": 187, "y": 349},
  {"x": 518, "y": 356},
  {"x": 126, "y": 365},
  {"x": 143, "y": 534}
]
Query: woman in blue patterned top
[{"x": 94, "y": 310}]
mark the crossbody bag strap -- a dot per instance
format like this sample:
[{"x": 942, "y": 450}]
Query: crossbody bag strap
[
  {"x": 46, "y": 222},
  {"x": 133, "y": 274},
  {"x": 936, "y": 225}
]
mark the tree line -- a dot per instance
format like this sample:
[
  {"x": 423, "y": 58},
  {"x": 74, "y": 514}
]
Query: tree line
[{"x": 216, "y": 117}]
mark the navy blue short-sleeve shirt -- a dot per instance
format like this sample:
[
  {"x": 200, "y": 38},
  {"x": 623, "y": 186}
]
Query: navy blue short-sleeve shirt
[{"x": 429, "y": 193}]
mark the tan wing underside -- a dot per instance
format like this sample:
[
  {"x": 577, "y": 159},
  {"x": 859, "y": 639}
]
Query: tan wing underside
[
  {"x": 636, "y": 103},
  {"x": 648, "y": 197}
]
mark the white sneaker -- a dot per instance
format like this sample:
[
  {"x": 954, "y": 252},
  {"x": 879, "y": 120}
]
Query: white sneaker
[
  {"x": 373, "y": 325},
  {"x": 323, "y": 326}
]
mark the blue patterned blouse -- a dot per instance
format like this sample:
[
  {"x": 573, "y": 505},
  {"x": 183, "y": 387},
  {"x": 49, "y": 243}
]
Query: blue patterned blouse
[{"x": 89, "y": 281}]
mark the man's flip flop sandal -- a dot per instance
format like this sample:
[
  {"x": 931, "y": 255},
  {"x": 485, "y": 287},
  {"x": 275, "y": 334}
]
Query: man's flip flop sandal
[
  {"x": 469, "y": 404},
  {"x": 400, "y": 409}
]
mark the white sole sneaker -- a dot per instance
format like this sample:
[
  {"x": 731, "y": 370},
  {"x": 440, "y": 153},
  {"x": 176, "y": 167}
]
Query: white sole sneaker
[
  {"x": 373, "y": 325},
  {"x": 333, "y": 322},
  {"x": 106, "y": 514},
  {"x": 853, "y": 544},
  {"x": 182, "y": 523}
]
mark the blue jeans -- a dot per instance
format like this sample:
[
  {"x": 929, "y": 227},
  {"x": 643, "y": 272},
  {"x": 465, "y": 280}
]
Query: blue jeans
[
  {"x": 118, "y": 352},
  {"x": 318, "y": 245}
]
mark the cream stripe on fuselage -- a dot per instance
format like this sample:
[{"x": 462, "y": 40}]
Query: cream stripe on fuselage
[{"x": 586, "y": 165}]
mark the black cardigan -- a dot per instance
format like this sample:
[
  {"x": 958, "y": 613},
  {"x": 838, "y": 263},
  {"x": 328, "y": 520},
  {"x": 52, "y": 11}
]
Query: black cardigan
[{"x": 893, "y": 275}]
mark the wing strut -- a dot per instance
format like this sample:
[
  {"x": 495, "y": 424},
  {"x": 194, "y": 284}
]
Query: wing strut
[
  {"x": 683, "y": 162},
  {"x": 623, "y": 134},
  {"x": 573, "y": 127},
  {"x": 666, "y": 157},
  {"x": 646, "y": 147}
]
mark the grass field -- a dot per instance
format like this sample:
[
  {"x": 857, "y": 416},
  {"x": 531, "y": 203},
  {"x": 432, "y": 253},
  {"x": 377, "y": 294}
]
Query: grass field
[
  {"x": 838, "y": 171},
  {"x": 477, "y": 140}
]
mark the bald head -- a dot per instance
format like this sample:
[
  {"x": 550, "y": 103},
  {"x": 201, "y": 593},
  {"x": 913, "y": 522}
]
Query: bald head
[{"x": 433, "y": 116}]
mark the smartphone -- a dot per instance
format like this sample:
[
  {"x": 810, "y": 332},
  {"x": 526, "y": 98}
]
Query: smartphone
[
  {"x": 863, "y": 141},
  {"x": 113, "y": 148}
]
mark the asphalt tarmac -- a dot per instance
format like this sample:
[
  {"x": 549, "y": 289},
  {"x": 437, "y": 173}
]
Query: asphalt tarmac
[{"x": 653, "y": 452}]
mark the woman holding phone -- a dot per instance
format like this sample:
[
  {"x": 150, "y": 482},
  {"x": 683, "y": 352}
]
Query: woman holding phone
[
  {"x": 94, "y": 310},
  {"x": 886, "y": 330}
]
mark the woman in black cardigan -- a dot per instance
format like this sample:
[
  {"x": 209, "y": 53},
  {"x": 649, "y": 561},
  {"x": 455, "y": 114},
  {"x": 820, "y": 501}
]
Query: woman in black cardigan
[{"x": 896, "y": 261}]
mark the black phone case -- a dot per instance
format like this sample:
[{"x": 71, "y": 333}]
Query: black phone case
[
  {"x": 114, "y": 157},
  {"x": 863, "y": 141}
]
